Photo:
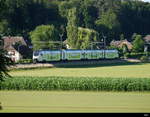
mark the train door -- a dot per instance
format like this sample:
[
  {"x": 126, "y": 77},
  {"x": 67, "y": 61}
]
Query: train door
[{"x": 63, "y": 55}]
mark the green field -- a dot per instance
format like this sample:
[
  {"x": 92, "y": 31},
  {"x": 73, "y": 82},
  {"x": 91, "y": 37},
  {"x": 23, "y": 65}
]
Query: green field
[
  {"x": 114, "y": 71},
  {"x": 39, "y": 101},
  {"x": 76, "y": 101}
]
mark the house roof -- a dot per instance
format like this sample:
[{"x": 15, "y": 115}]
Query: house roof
[
  {"x": 147, "y": 39},
  {"x": 9, "y": 42},
  {"x": 121, "y": 43},
  {"x": 10, "y": 48}
]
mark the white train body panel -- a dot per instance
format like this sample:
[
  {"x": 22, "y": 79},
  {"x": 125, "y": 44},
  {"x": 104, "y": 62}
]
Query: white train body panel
[{"x": 50, "y": 55}]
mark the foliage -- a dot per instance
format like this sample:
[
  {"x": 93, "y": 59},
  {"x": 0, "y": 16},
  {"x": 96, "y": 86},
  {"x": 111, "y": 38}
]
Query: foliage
[
  {"x": 85, "y": 37},
  {"x": 42, "y": 37},
  {"x": 1, "y": 108},
  {"x": 133, "y": 15},
  {"x": 133, "y": 36},
  {"x": 138, "y": 44},
  {"x": 72, "y": 28},
  {"x": 19, "y": 17},
  {"x": 3, "y": 26},
  {"x": 25, "y": 61},
  {"x": 110, "y": 17},
  {"x": 108, "y": 24},
  {"x": 135, "y": 55},
  {"x": 5, "y": 62},
  {"x": 125, "y": 48},
  {"x": 122, "y": 37},
  {"x": 144, "y": 58},
  {"x": 88, "y": 14},
  {"x": 120, "y": 50},
  {"x": 80, "y": 84}
]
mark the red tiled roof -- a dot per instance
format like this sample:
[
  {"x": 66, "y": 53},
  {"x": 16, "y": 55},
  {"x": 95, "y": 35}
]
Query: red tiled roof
[
  {"x": 121, "y": 43},
  {"x": 10, "y": 41}
]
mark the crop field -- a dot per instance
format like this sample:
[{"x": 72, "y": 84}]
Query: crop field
[
  {"x": 139, "y": 70},
  {"x": 76, "y": 84},
  {"x": 70, "y": 101},
  {"x": 88, "y": 88}
]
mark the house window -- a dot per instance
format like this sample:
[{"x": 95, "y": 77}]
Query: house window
[{"x": 11, "y": 53}]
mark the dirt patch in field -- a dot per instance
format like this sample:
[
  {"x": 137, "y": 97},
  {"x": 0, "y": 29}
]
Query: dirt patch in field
[
  {"x": 27, "y": 66},
  {"x": 73, "y": 63},
  {"x": 132, "y": 60}
]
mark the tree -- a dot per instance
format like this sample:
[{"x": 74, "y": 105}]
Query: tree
[
  {"x": 125, "y": 49},
  {"x": 134, "y": 17},
  {"x": 42, "y": 37},
  {"x": 122, "y": 37},
  {"x": 72, "y": 28},
  {"x": 85, "y": 37},
  {"x": 108, "y": 24},
  {"x": 88, "y": 14},
  {"x": 3, "y": 26},
  {"x": 133, "y": 36},
  {"x": 2, "y": 8},
  {"x": 138, "y": 44},
  {"x": 5, "y": 62}
]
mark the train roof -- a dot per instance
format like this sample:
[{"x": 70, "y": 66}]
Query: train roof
[
  {"x": 75, "y": 50},
  {"x": 111, "y": 50}
]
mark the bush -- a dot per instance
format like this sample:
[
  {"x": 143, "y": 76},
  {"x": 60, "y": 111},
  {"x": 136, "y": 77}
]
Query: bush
[
  {"x": 120, "y": 50},
  {"x": 1, "y": 106},
  {"x": 126, "y": 55},
  {"x": 136, "y": 55},
  {"x": 138, "y": 44},
  {"x": 25, "y": 61},
  {"x": 79, "y": 84},
  {"x": 144, "y": 58}
]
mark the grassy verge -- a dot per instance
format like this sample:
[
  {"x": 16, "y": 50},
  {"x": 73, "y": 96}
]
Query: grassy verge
[
  {"x": 73, "y": 101},
  {"x": 139, "y": 70},
  {"x": 78, "y": 84}
]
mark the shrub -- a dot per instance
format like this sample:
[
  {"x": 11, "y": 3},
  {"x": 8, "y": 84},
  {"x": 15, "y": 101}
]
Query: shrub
[
  {"x": 126, "y": 55},
  {"x": 80, "y": 84},
  {"x": 138, "y": 44},
  {"x": 25, "y": 61},
  {"x": 144, "y": 58},
  {"x": 136, "y": 55}
]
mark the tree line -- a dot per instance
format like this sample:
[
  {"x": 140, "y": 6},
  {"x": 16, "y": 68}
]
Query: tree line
[{"x": 77, "y": 22}]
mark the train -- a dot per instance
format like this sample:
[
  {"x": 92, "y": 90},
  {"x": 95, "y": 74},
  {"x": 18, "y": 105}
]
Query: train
[{"x": 73, "y": 55}]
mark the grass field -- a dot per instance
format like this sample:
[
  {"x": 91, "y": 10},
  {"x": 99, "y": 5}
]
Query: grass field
[
  {"x": 139, "y": 70},
  {"x": 75, "y": 101},
  {"x": 39, "y": 101}
]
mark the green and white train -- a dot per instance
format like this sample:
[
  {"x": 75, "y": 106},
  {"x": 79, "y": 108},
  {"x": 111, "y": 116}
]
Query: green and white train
[{"x": 63, "y": 55}]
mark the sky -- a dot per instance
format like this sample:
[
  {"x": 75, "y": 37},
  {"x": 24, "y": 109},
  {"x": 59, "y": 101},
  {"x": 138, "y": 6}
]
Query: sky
[{"x": 146, "y": 0}]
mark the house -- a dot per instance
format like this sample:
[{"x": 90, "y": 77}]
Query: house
[
  {"x": 119, "y": 44},
  {"x": 147, "y": 43},
  {"x": 9, "y": 44}
]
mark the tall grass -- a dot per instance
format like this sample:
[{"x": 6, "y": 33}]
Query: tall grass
[{"x": 80, "y": 84}]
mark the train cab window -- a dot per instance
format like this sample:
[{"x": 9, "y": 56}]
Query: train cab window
[{"x": 36, "y": 53}]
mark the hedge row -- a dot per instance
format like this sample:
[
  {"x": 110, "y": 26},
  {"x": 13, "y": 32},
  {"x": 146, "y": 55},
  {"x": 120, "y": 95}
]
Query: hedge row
[
  {"x": 80, "y": 84},
  {"x": 25, "y": 61},
  {"x": 136, "y": 55}
]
